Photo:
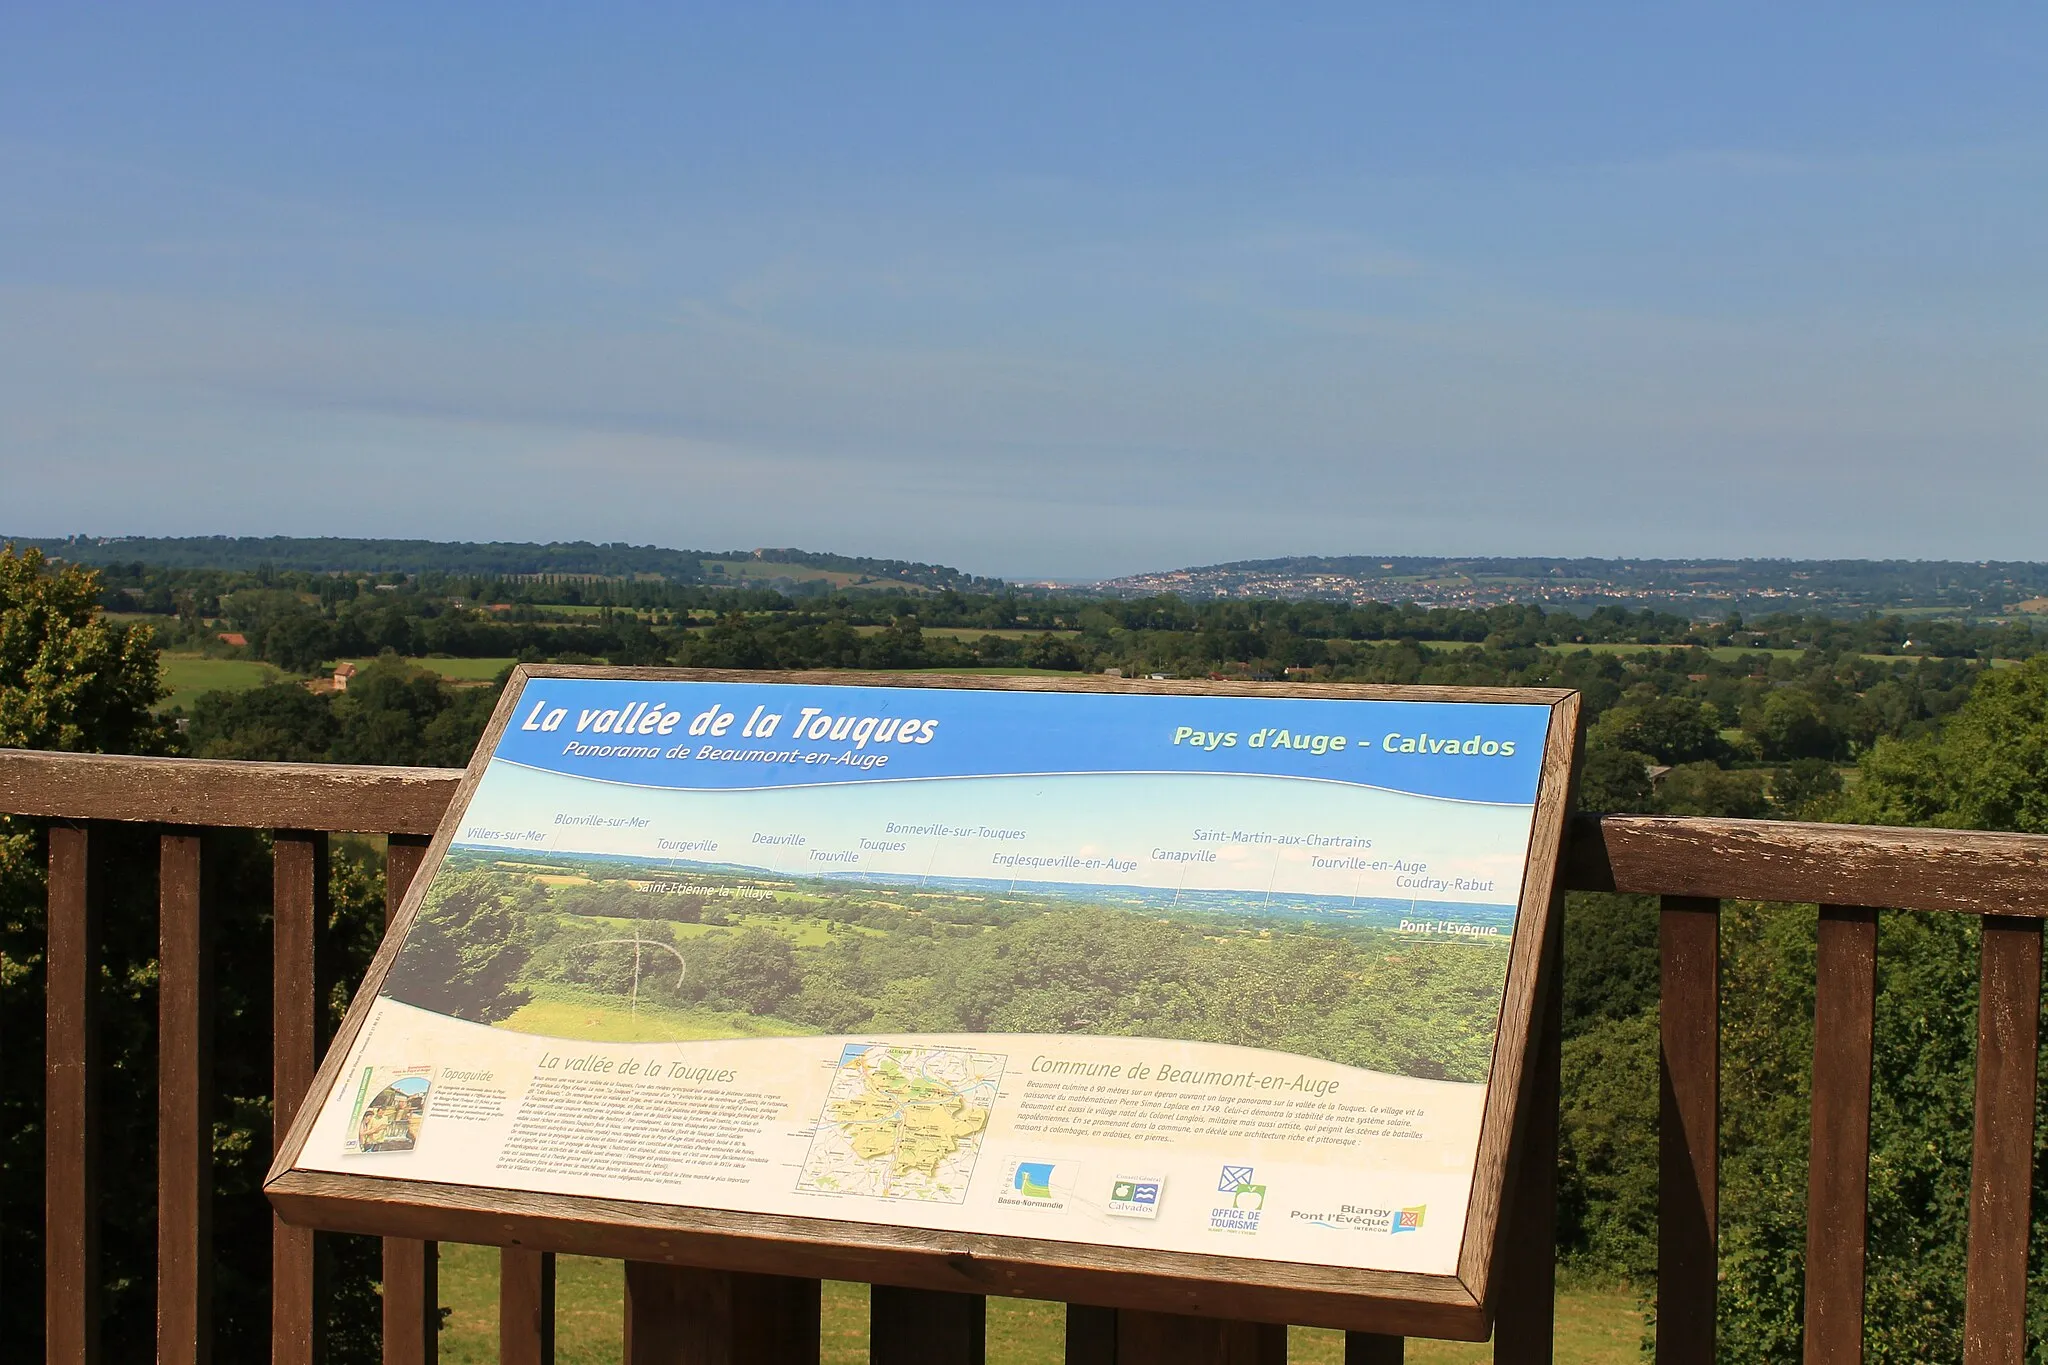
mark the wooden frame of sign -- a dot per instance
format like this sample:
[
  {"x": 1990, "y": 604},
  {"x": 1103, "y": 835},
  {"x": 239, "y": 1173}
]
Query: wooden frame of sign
[{"x": 1456, "y": 1306}]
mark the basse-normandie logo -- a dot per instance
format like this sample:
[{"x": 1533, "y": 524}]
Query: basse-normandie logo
[
  {"x": 1036, "y": 1185},
  {"x": 1135, "y": 1196}
]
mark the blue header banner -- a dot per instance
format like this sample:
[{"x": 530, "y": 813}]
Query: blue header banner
[{"x": 735, "y": 736}]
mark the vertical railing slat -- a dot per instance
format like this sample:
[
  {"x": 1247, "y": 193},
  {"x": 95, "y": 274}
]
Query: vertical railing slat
[
  {"x": 2002, "y": 1162},
  {"x": 679, "y": 1315},
  {"x": 1091, "y": 1335},
  {"x": 412, "y": 1308},
  {"x": 916, "y": 1326},
  {"x": 1179, "y": 1339},
  {"x": 184, "y": 1142},
  {"x": 412, "y": 1302},
  {"x": 1838, "y": 1169},
  {"x": 526, "y": 1307},
  {"x": 71, "y": 961},
  {"x": 1525, "y": 1320},
  {"x": 298, "y": 900},
  {"x": 1689, "y": 1125},
  {"x": 1370, "y": 1348}
]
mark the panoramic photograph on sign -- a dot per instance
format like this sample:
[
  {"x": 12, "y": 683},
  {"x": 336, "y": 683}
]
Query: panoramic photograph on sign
[{"x": 1167, "y": 970}]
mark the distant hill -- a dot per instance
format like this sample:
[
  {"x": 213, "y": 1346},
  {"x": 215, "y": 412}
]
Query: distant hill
[
  {"x": 1696, "y": 586},
  {"x": 507, "y": 559}
]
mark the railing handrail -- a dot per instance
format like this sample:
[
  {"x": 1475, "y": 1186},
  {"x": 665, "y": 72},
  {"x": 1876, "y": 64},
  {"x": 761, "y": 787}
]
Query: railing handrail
[
  {"x": 1968, "y": 871},
  {"x": 1851, "y": 872}
]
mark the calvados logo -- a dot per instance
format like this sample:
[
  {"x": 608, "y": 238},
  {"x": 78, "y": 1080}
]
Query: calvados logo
[
  {"x": 1036, "y": 1185},
  {"x": 1247, "y": 1201},
  {"x": 1135, "y": 1196}
]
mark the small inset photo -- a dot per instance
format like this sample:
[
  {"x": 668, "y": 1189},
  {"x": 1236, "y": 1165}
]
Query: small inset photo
[{"x": 391, "y": 1107}]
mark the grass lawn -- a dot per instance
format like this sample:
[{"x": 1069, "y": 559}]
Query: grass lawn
[
  {"x": 1596, "y": 1326},
  {"x": 593, "y": 1017},
  {"x": 970, "y": 633},
  {"x": 455, "y": 670},
  {"x": 1002, "y": 672},
  {"x": 187, "y": 675}
]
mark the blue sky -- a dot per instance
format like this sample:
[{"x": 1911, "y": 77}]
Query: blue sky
[{"x": 1037, "y": 290}]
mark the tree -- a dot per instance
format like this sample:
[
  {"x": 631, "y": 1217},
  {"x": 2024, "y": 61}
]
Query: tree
[
  {"x": 1614, "y": 780},
  {"x": 282, "y": 723},
  {"x": 1703, "y": 789},
  {"x": 69, "y": 678},
  {"x": 1669, "y": 729},
  {"x": 466, "y": 949},
  {"x": 1987, "y": 770},
  {"x": 1791, "y": 724}
]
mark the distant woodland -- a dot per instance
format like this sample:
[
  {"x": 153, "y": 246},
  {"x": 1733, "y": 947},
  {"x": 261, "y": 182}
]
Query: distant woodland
[{"x": 1882, "y": 717}]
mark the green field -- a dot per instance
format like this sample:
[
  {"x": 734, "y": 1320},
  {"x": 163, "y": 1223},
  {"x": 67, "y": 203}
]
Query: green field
[
  {"x": 455, "y": 670},
  {"x": 970, "y": 633},
  {"x": 1596, "y": 1326},
  {"x": 560, "y": 1011},
  {"x": 801, "y": 932},
  {"x": 187, "y": 675},
  {"x": 1001, "y": 672}
]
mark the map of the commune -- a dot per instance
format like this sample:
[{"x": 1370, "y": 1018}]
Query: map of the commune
[{"x": 902, "y": 1122}]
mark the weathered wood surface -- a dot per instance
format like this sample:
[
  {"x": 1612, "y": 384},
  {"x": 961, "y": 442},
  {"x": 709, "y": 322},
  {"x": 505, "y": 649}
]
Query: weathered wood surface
[
  {"x": 1906, "y": 869},
  {"x": 920, "y": 1327},
  {"x": 526, "y": 1307},
  {"x": 1838, "y": 1170},
  {"x": 205, "y": 791},
  {"x": 1689, "y": 1127},
  {"x": 1525, "y": 1325},
  {"x": 1771, "y": 860},
  {"x": 681, "y": 1316},
  {"x": 412, "y": 1301},
  {"x": 184, "y": 1132},
  {"x": 1523, "y": 1081},
  {"x": 2002, "y": 1164},
  {"x": 71, "y": 1271},
  {"x": 298, "y": 903}
]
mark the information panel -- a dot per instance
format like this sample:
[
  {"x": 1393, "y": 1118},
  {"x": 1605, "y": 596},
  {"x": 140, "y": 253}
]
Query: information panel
[{"x": 1171, "y": 971}]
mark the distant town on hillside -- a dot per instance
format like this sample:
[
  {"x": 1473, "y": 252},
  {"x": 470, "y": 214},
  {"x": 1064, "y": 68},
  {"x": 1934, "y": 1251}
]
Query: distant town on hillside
[{"x": 1699, "y": 588}]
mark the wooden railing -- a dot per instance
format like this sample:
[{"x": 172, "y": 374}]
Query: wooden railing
[{"x": 679, "y": 1313}]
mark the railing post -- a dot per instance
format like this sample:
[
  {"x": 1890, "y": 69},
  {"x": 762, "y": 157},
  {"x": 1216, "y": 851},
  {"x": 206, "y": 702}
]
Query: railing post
[
  {"x": 1525, "y": 1322},
  {"x": 926, "y": 1327},
  {"x": 679, "y": 1315},
  {"x": 1688, "y": 1128},
  {"x": 71, "y": 1202},
  {"x": 1144, "y": 1338},
  {"x": 2002, "y": 1159},
  {"x": 1370, "y": 1348},
  {"x": 526, "y": 1307},
  {"x": 412, "y": 1301},
  {"x": 1838, "y": 1167},
  {"x": 1091, "y": 1335},
  {"x": 184, "y": 1135},
  {"x": 298, "y": 901}
]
